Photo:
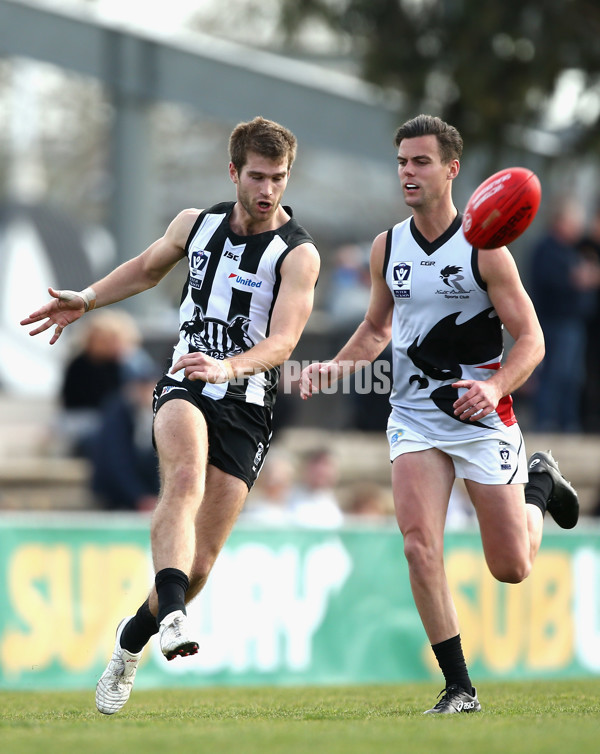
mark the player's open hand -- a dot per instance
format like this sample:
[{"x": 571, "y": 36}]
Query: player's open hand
[
  {"x": 317, "y": 376},
  {"x": 61, "y": 311}
]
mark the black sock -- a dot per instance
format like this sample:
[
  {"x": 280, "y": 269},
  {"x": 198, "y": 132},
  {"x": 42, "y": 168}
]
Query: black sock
[
  {"x": 138, "y": 631},
  {"x": 171, "y": 586},
  {"x": 451, "y": 660},
  {"x": 538, "y": 490}
]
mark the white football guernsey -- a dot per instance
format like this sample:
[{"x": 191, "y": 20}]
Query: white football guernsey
[{"x": 444, "y": 329}]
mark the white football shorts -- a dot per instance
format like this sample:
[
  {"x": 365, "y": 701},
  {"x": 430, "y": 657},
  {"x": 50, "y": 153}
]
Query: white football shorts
[{"x": 495, "y": 458}]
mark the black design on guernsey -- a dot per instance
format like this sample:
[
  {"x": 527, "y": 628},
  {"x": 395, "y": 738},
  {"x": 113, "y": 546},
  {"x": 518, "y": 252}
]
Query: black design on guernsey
[
  {"x": 447, "y": 345},
  {"x": 430, "y": 246},
  {"x": 447, "y": 271},
  {"x": 228, "y": 298},
  {"x": 217, "y": 338}
]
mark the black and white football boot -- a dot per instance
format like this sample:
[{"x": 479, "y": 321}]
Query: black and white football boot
[
  {"x": 563, "y": 504},
  {"x": 455, "y": 699}
]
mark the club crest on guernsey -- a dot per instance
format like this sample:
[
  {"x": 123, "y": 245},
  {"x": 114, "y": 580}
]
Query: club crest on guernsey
[{"x": 215, "y": 337}]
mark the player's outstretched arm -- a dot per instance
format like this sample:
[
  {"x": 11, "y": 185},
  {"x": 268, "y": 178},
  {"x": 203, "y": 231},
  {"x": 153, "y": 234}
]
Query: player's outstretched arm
[
  {"x": 64, "y": 308},
  {"x": 131, "y": 277}
]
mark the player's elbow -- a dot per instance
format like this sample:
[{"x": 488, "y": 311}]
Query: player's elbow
[
  {"x": 541, "y": 349},
  {"x": 538, "y": 349},
  {"x": 282, "y": 347},
  {"x": 380, "y": 332}
]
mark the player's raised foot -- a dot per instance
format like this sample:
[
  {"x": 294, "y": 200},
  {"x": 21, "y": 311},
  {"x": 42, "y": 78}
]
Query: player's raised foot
[
  {"x": 563, "y": 504},
  {"x": 455, "y": 699},
  {"x": 175, "y": 640},
  {"x": 115, "y": 684}
]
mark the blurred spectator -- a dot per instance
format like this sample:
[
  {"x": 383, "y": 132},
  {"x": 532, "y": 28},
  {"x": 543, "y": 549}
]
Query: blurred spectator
[
  {"x": 368, "y": 501},
  {"x": 562, "y": 290},
  {"x": 589, "y": 247},
  {"x": 314, "y": 501},
  {"x": 269, "y": 498},
  {"x": 349, "y": 288},
  {"x": 124, "y": 463},
  {"x": 109, "y": 343}
]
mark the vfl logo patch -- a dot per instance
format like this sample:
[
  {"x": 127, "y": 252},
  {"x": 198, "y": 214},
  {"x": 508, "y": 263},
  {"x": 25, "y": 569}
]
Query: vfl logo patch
[
  {"x": 198, "y": 264},
  {"x": 402, "y": 279},
  {"x": 504, "y": 459}
]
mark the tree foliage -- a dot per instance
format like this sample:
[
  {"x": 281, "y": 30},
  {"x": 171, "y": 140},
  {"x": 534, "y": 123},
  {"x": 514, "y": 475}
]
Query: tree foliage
[{"x": 484, "y": 66}]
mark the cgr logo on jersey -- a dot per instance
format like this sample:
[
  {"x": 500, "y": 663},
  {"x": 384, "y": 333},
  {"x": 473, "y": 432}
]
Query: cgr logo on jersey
[
  {"x": 244, "y": 282},
  {"x": 401, "y": 279},
  {"x": 198, "y": 264}
]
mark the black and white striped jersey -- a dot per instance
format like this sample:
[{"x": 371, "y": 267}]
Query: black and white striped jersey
[{"x": 229, "y": 295}]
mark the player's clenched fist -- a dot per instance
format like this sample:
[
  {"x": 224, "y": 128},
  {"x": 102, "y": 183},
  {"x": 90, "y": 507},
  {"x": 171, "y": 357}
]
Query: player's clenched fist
[{"x": 200, "y": 366}]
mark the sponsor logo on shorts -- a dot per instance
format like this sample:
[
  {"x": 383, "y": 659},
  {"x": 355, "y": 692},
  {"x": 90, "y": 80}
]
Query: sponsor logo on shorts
[
  {"x": 167, "y": 389},
  {"x": 259, "y": 456},
  {"x": 396, "y": 436}
]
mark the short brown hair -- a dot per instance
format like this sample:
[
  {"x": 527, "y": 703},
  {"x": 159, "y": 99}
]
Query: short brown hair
[
  {"x": 449, "y": 140},
  {"x": 265, "y": 137}
]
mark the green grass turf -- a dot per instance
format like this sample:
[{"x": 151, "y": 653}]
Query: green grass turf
[{"x": 528, "y": 717}]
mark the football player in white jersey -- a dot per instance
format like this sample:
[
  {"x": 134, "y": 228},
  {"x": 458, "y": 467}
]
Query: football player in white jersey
[
  {"x": 443, "y": 305},
  {"x": 252, "y": 270}
]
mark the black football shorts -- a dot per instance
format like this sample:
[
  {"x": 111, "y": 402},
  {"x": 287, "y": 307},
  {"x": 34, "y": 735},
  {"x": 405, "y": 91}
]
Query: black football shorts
[{"x": 239, "y": 433}]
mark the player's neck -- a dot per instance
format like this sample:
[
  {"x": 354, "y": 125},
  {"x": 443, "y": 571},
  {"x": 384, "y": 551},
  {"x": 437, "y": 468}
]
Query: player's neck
[
  {"x": 431, "y": 224},
  {"x": 243, "y": 224}
]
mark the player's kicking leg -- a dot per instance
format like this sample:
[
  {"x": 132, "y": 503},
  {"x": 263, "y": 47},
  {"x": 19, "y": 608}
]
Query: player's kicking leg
[{"x": 115, "y": 684}]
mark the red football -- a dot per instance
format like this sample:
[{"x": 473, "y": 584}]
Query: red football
[{"x": 502, "y": 208}]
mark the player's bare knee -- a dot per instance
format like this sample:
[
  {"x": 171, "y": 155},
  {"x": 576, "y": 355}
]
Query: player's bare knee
[
  {"x": 420, "y": 554},
  {"x": 511, "y": 572},
  {"x": 184, "y": 482}
]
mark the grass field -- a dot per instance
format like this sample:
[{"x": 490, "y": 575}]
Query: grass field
[{"x": 532, "y": 717}]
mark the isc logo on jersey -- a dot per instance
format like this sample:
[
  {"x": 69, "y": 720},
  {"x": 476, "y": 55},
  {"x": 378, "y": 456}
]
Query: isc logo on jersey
[
  {"x": 244, "y": 281},
  {"x": 401, "y": 279}
]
